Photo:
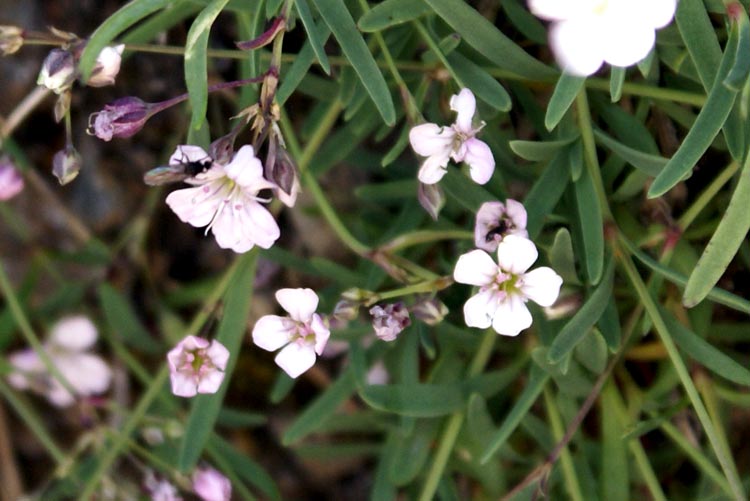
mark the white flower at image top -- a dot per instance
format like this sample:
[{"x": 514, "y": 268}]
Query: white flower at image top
[
  {"x": 67, "y": 347},
  {"x": 440, "y": 143},
  {"x": 586, "y": 33},
  {"x": 226, "y": 200},
  {"x": 505, "y": 286},
  {"x": 302, "y": 334}
]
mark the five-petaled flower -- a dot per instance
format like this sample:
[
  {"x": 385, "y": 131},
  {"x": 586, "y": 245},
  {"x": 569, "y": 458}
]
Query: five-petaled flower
[
  {"x": 586, "y": 33},
  {"x": 439, "y": 144},
  {"x": 210, "y": 485},
  {"x": 495, "y": 220},
  {"x": 302, "y": 334},
  {"x": 86, "y": 374},
  {"x": 505, "y": 286},
  {"x": 197, "y": 365},
  {"x": 226, "y": 199}
]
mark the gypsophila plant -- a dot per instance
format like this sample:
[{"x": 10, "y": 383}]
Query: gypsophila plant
[{"x": 404, "y": 249}]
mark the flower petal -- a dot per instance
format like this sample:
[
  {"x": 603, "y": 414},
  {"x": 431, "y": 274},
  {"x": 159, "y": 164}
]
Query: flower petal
[
  {"x": 197, "y": 206},
  {"x": 183, "y": 385},
  {"x": 577, "y": 46},
  {"x": 559, "y": 10},
  {"x": 431, "y": 139},
  {"x": 296, "y": 358},
  {"x": 480, "y": 308},
  {"x": 26, "y": 364},
  {"x": 75, "y": 333},
  {"x": 516, "y": 254},
  {"x": 218, "y": 354},
  {"x": 271, "y": 332},
  {"x": 475, "y": 268},
  {"x": 517, "y": 214},
  {"x": 321, "y": 333},
  {"x": 246, "y": 170},
  {"x": 433, "y": 169},
  {"x": 300, "y": 303},
  {"x": 88, "y": 374},
  {"x": 210, "y": 381},
  {"x": 464, "y": 104},
  {"x": 481, "y": 162},
  {"x": 626, "y": 43},
  {"x": 542, "y": 286},
  {"x": 659, "y": 12},
  {"x": 242, "y": 223},
  {"x": 511, "y": 317},
  {"x": 188, "y": 153}
]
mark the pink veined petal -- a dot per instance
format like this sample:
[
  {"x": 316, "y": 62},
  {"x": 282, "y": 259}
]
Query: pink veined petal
[
  {"x": 210, "y": 382},
  {"x": 256, "y": 223},
  {"x": 475, "y": 268},
  {"x": 542, "y": 286},
  {"x": 88, "y": 374},
  {"x": 218, "y": 354},
  {"x": 577, "y": 46},
  {"x": 271, "y": 332},
  {"x": 516, "y": 254},
  {"x": 517, "y": 213},
  {"x": 465, "y": 105},
  {"x": 481, "y": 162},
  {"x": 197, "y": 206},
  {"x": 431, "y": 139},
  {"x": 321, "y": 333},
  {"x": 300, "y": 303},
  {"x": 295, "y": 358},
  {"x": 433, "y": 169},
  {"x": 229, "y": 229},
  {"x": 626, "y": 43},
  {"x": 183, "y": 385},
  {"x": 511, "y": 317},
  {"x": 75, "y": 333},
  {"x": 480, "y": 308},
  {"x": 188, "y": 153}
]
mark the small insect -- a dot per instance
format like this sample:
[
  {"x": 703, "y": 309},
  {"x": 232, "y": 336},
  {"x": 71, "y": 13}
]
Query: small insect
[
  {"x": 500, "y": 230},
  {"x": 175, "y": 172}
]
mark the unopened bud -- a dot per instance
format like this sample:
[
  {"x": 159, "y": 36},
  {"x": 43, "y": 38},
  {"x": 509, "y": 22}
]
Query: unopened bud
[
  {"x": 122, "y": 118},
  {"x": 430, "y": 311},
  {"x": 62, "y": 105},
  {"x": 107, "y": 66},
  {"x": 346, "y": 310},
  {"x": 266, "y": 37},
  {"x": 66, "y": 164},
  {"x": 11, "y": 181},
  {"x": 388, "y": 322},
  {"x": 222, "y": 149},
  {"x": 431, "y": 198},
  {"x": 11, "y": 39},
  {"x": 58, "y": 71},
  {"x": 282, "y": 171}
]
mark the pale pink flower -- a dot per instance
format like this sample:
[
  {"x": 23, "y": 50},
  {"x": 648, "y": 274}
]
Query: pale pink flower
[
  {"x": 66, "y": 346},
  {"x": 495, "y": 220},
  {"x": 586, "y": 33},
  {"x": 388, "y": 322},
  {"x": 160, "y": 490},
  {"x": 197, "y": 365},
  {"x": 11, "y": 181},
  {"x": 302, "y": 334},
  {"x": 505, "y": 286},
  {"x": 440, "y": 143},
  {"x": 107, "y": 66},
  {"x": 226, "y": 199},
  {"x": 210, "y": 485}
]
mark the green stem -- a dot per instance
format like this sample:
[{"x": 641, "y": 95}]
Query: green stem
[
  {"x": 425, "y": 236},
  {"x": 707, "y": 195},
  {"x": 453, "y": 427},
  {"x": 422, "y": 287},
  {"x": 321, "y": 133},
  {"x": 589, "y": 148},
  {"x": 572, "y": 483},
  {"x": 722, "y": 453},
  {"x": 436, "y": 50}
]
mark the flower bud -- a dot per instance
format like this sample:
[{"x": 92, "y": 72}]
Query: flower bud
[
  {"x": 388, "y": 322},
  {"x": 11, "y": 39},
  {"x": 58, "y": 71},
  {"x": 346, "y": 310},
  {"x": 430, "y": 311},
  {"x": 210, "y": 485},
  {"x": 431, "y": 198},
  {"x": 281, "y": 170},
  {"x": 11, "y": 181},
  {"x": 107, "y": 66},
  {"x": 66, "y": 164},
  {"x": 123, "y": 117}
]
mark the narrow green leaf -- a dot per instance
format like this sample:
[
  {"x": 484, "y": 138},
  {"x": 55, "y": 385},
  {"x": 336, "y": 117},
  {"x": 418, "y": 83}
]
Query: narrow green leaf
[
  {"x": 313, "y": 34},
  {"x": 609, "y": 326},
  {"x": 537, "y": 151},
  {"x": 546, "y": 193},
  {"x": 338, "y": 19},
  {"x": 646, "y": 162},
  {"x": 196, "y": 61},
  {"x": 578, "y": 326},
  {"x": 591, "y": 226},
  {"x": 115, "y": 24},
  {"x": 172, "y": 14},
  {"x": 478, "y": 80},
  {"x": 614, "y": 477},
  {"x": 412, "y": 451},
  {"x": 391, "y": 13},
  {"x": 205, "y": 408},
  {"x": 700, "y": 39},
  {"x": 526, "y": 22},
  {"x": 704, "y": 353},
  {"x": 486, "y": 39},
  {"x": 616, "y": 79},
  {"x": 562, "y": 258},
  {"x": 724, "y": 243},
  {"x": 592, "y": 351},
  {"x": 247, "y": 469},
  {"x": 710, "y": 119},
  {"x": 565, "y": 92},
  {"x": 123, "y": 321},
  {"x": 300, "y": 67},
  {"x": 737, "y": 76}
]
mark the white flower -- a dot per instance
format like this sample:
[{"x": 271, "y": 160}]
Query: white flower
[
  {"x": 197, "y": 366},
  {"x": 495, "y": 221},
  {"x": 210, "y": 485},
  {"x": 302, "y": 334},
  {"x": 107, "y": 66},
  {"x": 225, "y": 198},
  {"x": 586, "y": 33},
  {"x": 505, "y": 286},
  {"x": 67, "y": 347},
  {"x": 439, "y": 144}
]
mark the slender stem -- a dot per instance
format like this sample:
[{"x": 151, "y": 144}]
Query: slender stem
[
  {"x": 572, "y": 484},
  {"x": 22, "y": 110},
  {"x": 321, "y": 133},
  {"x": 424, "y": 236},
  {"x": 707, "y": 195},
  {"x": 453, "y": 426},
  {"x": 428, "y": 286}
]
